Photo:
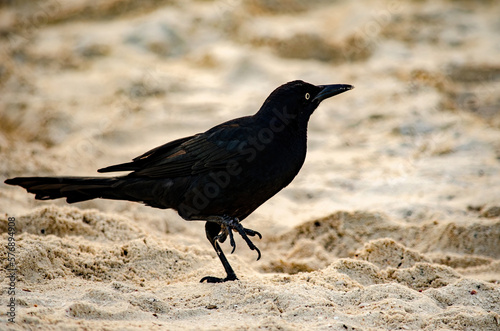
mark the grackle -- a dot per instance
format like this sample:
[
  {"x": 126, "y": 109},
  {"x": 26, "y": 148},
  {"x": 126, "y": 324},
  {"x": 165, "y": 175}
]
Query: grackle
[{"x": 220, "y": 176}]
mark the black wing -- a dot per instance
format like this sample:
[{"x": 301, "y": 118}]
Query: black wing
[{"x": 192, "y": 155}]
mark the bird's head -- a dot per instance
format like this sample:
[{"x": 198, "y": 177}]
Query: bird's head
[{"x": 294, "y": 102}]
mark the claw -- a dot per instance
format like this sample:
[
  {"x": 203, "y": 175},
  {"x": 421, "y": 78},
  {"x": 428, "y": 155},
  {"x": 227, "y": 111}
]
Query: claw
[
  {"x": 231, "y": 241},
  {"x": 228, "y": 224},
  {"x": 258, "y": 252},
  {"x": 243, "y": 232},
  {"x": 252, "y": 233}
]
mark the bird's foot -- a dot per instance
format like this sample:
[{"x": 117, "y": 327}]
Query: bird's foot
[
  {"x": 225, "y": 232},
  {"x": 210, "y": 279},
  {"x": 232, "y": 223}
]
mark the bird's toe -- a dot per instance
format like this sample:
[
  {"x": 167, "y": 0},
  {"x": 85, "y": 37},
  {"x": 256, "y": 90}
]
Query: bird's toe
[{"x": 211, "y": 279}]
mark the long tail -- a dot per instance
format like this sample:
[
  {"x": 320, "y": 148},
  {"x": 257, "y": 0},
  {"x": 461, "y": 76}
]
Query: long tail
[{"x": 74, "y": 189}]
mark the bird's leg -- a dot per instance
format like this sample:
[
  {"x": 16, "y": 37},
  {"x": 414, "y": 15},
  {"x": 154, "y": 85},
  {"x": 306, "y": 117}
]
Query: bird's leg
[
  {"x": 228, "y": 224},
  {"x": 218, "y": 228},
  {"x": 212, "y": 231}
]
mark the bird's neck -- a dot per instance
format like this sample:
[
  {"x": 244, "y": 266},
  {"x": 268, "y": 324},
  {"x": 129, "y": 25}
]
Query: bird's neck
[
  {"x": 281, "y": 122},
  {"x": 288, "y": 132}
]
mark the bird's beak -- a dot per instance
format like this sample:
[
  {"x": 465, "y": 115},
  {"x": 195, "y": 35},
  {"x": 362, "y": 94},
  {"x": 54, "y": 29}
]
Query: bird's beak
[{"x": 328, "y": 91}]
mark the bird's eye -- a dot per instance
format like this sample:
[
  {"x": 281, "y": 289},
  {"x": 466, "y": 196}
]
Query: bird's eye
[{"x": 308, "y": 96}]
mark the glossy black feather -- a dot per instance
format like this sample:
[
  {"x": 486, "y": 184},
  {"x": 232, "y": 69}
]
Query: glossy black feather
[{"x": 220, "y": 176}]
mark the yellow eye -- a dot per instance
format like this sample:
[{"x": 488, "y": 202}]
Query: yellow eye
[{"x": 308, "y": 96}]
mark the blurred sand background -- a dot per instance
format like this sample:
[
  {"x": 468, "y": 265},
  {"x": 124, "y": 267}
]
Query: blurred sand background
[{"x": 392, "y": 223}]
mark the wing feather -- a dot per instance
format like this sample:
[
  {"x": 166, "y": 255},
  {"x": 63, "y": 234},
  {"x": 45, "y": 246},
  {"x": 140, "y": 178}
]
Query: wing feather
[{"x": 192, "y": 155}]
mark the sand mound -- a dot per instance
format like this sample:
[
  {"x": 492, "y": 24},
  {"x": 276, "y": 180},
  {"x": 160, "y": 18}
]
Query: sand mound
[
  {"x": 379, "y": 240},
  {"x": 63, "y": 242},
  {"x": 135, "y": 276},
  {"x": 71, "y": 221}
]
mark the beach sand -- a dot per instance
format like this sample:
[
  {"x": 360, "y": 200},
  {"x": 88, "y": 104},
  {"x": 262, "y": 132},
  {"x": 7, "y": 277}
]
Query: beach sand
[{"x": 392, "y": 223}]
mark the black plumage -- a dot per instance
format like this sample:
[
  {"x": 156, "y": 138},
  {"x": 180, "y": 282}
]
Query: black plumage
[{"x": 220, "y": 176}]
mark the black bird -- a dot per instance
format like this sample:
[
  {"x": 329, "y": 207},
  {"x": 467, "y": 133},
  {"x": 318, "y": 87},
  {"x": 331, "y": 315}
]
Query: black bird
[{"x": 220, "y": 176}]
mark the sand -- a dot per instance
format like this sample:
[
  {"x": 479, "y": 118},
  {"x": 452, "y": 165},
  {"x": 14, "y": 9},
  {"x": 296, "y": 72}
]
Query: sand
[{"x": 392, "y": 223}]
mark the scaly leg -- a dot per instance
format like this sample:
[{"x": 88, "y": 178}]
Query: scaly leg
[
  {"x": 217, "y": 229},
  {"x": 212, "y": 231}
]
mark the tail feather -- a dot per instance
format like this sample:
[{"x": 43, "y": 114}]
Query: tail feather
[
  {"x": 130, "y": 166},
  {"x": 74, "y": 189}
]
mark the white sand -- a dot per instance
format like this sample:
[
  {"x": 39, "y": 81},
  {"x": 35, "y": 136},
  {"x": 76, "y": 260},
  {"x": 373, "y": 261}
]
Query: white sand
[{"x": 393, "y": 222}]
